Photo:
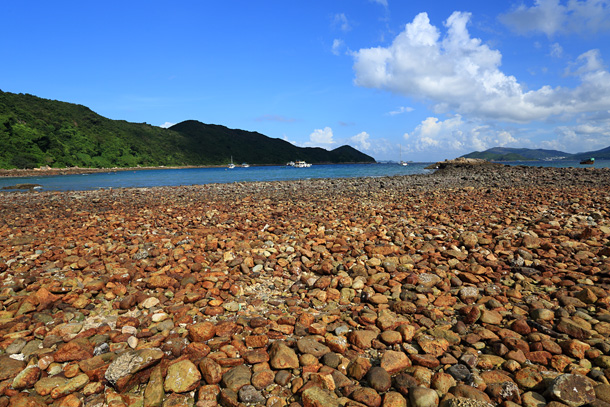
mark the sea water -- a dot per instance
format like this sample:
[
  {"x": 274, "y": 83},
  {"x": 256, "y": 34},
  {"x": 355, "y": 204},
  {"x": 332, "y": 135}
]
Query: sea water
[{"x": 199, "y": 176}]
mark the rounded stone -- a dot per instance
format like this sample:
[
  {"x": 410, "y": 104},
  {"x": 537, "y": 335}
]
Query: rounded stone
[
  {"x": 249, "y": 395},
  {"x": 542, "y": 314},
  {"x": 572, "y": 389},
  {"x": 459, "y": 372},
  {"x": 331, "y": 359},
  {"x": 367, "y": 396},
  {"x": 423, "y": 397},
  {"x": 391, "y": 337},
  {"x": 379, "y": 379},
  {"x": 181, "y": 377}
]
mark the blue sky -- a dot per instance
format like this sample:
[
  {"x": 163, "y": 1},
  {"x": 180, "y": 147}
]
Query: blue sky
[{"x": 434, "y": 79}]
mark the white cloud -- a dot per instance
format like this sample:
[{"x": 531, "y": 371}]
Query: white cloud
[
  {"x": 338, "y": 45},
  {"x": 321, "y": 137},
  {"x": 285, "y": 138},
  {"x": 167, "y": 125},
  {"x": 559, "y": 16},
  {"x": 384, "y": 3},
  {"x": 583, "y": 137},
  {"x": 460, "y": 74},
  {"x": 556, "y": 50},
  {"x": 362, "y": 140},
  {"x": 589, "y": 62},
  {"x": 455, "y": 136},
  {"x": 400, "y": 110},
  {"x": 340, "y": 20}
]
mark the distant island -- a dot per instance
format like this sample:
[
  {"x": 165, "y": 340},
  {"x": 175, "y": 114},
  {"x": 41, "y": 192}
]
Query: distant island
[
  {"x": 37, "y": 132},
  {"x": 526, "y": 154}
]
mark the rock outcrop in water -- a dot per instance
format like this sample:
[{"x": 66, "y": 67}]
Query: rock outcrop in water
[{"x": 468, "y": 287}]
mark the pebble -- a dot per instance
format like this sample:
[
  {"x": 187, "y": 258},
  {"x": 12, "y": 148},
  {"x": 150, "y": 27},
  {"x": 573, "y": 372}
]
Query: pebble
[
  {"x": 282, "y": 357},
  {"x": 463, "y": 287},
  {"x": 237, "y": 377},
  {"x": 423, "y": 397},
  {"x": 573, "y": 390},
  {"x": 250, "y": 395},
  {"x": 379, "y": 379},
  {"x": 181, "y": 377}
]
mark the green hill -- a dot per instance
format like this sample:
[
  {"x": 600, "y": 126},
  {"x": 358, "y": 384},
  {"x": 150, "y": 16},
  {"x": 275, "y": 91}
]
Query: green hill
[
  {"x": 36, "y": 132},
  {"x": 517, "y": 154},
  {"x": 526, "y": 154},
  {"x": 603, "y": 154},
  {"x": 220, "y": 143}
]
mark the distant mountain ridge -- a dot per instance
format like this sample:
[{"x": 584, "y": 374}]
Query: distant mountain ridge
[
  {"x": 255, "y": 148},
  {"x": 527, "y": 154},
  {"x": 36, "y": 132}
]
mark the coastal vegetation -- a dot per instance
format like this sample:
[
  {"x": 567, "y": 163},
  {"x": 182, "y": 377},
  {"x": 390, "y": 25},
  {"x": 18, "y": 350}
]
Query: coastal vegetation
[{"x": 38, "y": 132}]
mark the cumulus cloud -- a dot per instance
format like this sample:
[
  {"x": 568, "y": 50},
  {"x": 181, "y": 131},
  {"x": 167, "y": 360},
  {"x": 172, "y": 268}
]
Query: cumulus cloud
[
  {"x": 440, "y": 139},
  {"x": 167, "y": 125},
  {"x": 400, "y": 110},
  {"x": 590, "y": 136},
  {"x": 362, "y": 140},
  {"x": 587, "y": 63},
  {"x": 560, "y": 17},
  {"x": 460, "y": 74},
  {"x": 321, "y": 138},
  {"x": 455, "y": 136}
]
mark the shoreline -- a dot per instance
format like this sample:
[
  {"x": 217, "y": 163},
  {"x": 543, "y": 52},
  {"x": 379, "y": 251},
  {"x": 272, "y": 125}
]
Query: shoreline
[
  {"x": 452, "y": 286},
  {"x": 455, "y": 173},
  {"x": 17, "y": 173}
]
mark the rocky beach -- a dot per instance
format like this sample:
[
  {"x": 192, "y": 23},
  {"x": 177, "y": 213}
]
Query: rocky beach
[{"x": 477, "y": 285}]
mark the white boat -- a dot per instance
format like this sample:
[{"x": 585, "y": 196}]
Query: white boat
[
  {"x": 231, "y": 165},
  {"x": 245, "y": 165},
  {"x": 301, "y": 164},
  {"x": 403, "y": 163}
]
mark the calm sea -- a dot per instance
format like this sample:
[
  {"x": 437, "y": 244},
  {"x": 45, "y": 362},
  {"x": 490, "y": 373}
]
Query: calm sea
[{"x": 197, "y": 176}]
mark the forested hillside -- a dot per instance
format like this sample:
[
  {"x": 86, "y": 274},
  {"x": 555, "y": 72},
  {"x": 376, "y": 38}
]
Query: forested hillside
[
  {"x": 220, "y": 143},
  {"x": 36, "y": 132}
]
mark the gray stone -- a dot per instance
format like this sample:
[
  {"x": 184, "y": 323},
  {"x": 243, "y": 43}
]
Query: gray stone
[
  {"x": 237, "y": 377},
  {"x": 459, "y": 372},
  {"x": 131, "y": 362},
  {"x": 248, "y": 394},
  {"x": 16, "y": 346}
]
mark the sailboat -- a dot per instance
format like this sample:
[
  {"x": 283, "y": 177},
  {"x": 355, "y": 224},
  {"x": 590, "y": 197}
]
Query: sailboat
[
  {"x": 231, "y": 165},
  {"x": 404, "y": 163}
]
